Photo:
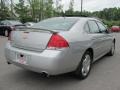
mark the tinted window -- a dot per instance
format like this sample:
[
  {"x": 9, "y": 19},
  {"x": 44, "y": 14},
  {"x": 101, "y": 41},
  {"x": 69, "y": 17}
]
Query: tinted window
[
  {"x": 56, "y": 24},
  {"x": 93, "y": 27},
  {"x": 10, "y": 22},
  {"x": 101, "y": 26}
]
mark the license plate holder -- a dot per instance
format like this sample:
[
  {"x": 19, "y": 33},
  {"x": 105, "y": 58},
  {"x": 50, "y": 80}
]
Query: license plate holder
[{"x": 22, "y": 59}]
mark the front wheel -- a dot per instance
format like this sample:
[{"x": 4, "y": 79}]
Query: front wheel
[{"x": 84, "y": 67}]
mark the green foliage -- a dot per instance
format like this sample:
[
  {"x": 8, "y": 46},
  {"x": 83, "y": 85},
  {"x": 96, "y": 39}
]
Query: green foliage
[
  {"x": 71, "y": 8},
  {"x": 40, "y": 9},
  {"x": 36, "y": 10},
  {"x": 22, "y": 11},
  {"x": 49, "y": 10},
  {"x": 108, "y": 14},
  {"x": 78, "y": 13},
  {"x": 111, "y": 23},
  {"x": 58, "y": 10},
  {"x": 4, "y": 11}
]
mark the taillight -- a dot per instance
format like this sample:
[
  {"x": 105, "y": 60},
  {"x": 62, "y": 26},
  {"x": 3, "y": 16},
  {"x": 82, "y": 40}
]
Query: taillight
[{"x": 57, "y": 42}]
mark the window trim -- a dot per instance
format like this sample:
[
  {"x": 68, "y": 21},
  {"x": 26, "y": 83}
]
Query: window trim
[
  {"x": 88, "y": 27},
  {"x": 71, "y": 26},
  {"x": 96, "y": 24},
  {"x": 99, "y": 26}
]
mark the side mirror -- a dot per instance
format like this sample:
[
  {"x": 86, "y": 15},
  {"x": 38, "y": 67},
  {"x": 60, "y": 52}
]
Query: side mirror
[{"x": 107, "y": 31}]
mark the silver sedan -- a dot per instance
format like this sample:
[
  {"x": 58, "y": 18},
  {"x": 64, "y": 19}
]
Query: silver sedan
[{"x": 60, "y": 45}]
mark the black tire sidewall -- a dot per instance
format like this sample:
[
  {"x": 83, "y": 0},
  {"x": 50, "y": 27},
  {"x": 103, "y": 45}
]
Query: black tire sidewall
[{"x": 80, "y": 66}]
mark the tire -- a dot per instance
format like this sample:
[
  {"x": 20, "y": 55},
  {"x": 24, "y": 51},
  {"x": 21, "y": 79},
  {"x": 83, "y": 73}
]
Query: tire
[
  {"x": 80, "y": 72},
  {"x": 112, "y": 51},
  {"x": 6, "y": 33}
]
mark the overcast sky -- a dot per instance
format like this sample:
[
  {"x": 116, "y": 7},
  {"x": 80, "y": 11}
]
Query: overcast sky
[{"x": 92, "y": 5}]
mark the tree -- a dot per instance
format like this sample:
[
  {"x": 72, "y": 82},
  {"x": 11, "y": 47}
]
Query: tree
[
  {"x": 49, "y": 10},
  {"x": 4, "y": 10},
  {"x": 70, "y": 11},
  {"x": 108, "y": 14},
  {"x": 22, "y": 11},
  {"x": 58, "y": 8},
  {"x": 41, "y": 9},
  {"x": 36, "y": 10}
]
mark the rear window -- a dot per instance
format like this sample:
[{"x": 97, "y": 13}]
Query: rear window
[
  {"x": 10, "y": 22},
  {"x": 56, "y": 24}
]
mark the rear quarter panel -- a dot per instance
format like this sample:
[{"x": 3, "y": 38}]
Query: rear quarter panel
[{"x": 78, "y": 43}]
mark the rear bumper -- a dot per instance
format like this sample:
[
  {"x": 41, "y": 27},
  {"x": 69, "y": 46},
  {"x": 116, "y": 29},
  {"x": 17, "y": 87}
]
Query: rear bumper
[{"x": 52, "y": 62}]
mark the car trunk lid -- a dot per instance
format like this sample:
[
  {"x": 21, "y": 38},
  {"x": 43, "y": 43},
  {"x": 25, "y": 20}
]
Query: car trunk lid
[{"x": 31, "y": 39}]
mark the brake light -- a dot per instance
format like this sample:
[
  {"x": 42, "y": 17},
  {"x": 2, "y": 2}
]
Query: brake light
[{"x": 57, "y": 42}]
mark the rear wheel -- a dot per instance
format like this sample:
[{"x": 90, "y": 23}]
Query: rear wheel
[
  {"x": 6, "y": 33},
  {"x": 84, "y": 67}
]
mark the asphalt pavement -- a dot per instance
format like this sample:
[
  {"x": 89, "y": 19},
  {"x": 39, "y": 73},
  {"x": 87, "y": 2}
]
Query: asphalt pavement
[{"x": 105, "y": 75}]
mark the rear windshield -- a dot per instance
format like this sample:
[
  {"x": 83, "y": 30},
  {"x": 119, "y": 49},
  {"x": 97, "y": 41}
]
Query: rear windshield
[
  {"x": 56, "y": 24},
  {"x": 10, "y": 22}
]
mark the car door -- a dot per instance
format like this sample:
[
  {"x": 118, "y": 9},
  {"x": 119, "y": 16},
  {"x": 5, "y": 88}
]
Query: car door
[
  {"x": 97, "y": 39},
  {"x": 106, "y": 37}
]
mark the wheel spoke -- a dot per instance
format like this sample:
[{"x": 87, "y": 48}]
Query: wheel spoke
[{"x": 86, "y": 65}]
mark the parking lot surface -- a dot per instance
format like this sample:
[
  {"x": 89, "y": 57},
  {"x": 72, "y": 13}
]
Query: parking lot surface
[{"x": 105, "y": 75}]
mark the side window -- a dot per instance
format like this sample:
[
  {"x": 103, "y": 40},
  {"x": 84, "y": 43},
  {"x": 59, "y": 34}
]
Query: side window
[
  {"x": 86, "y": 28},
  {"x": 101, "y": 26},
  {"x": 93, "y": 27}
]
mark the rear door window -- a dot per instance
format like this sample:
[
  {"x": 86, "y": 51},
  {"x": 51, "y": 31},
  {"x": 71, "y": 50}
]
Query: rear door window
[{"x": 93, "y": 27}]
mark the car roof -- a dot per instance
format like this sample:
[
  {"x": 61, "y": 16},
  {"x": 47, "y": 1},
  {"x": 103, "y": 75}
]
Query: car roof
[
  {"x": 115, "y": 26},
  {"x": 79, "y": 18}
]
